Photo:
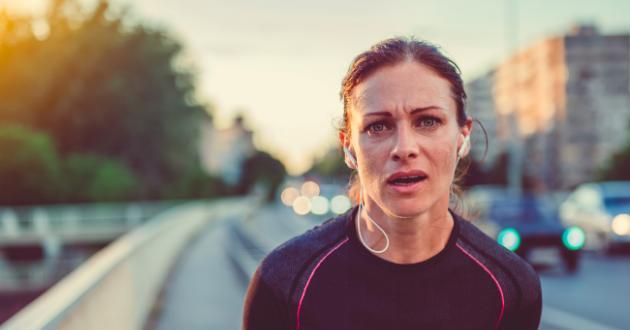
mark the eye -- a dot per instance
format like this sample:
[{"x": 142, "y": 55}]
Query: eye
[
  {"x": 428, "y": 122},
  {"x": 376, "y": 128}
]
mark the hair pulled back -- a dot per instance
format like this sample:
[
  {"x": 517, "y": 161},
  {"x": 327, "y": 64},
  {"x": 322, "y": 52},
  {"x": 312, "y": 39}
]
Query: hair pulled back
[{"x": 388, "y": 53}]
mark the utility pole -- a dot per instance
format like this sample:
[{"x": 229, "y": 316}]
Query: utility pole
[{"x": 515, "y": 144}]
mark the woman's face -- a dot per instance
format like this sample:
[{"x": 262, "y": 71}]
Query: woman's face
[{"x": 405, "y": 137}]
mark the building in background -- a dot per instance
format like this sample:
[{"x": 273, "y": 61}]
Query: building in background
[
  {"x": 223, "y": 151},
  {"x": 561, "y": 106},
  {"x": 481, "y": 106}
]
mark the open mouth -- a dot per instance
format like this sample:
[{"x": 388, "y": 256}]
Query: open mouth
[{"x": 406, "y": 180}]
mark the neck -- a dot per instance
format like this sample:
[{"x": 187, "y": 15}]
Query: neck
[{"x": 411, "y": 240}]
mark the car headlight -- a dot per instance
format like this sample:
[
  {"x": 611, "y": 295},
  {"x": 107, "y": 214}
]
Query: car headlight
[
  {"x": 573, "y": 238},
  {"x": 509, "y": 238},
  {"x": 621, "y": 224}
]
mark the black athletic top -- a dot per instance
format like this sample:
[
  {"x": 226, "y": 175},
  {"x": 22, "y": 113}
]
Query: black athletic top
[{"x": 325, "y": 279}]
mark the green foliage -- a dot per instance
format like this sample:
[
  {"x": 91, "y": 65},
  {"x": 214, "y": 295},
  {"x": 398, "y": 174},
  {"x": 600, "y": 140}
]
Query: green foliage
[
  {"x": 262, "y": 169},
  {"x": 29, "y": 167},
  {"x": 195, "y": 183},
  {"x": 331, "y": 165},
  {"x": 497, "y": 175},
  {"x": 99, "y": 85},
  {"x": 618, "y": 166},
  {"x": 93, "y": 178},
  {"x": 31, "y": 172}
]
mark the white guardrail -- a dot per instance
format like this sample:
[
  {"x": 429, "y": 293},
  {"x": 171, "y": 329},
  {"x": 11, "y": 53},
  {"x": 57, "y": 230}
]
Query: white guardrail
[
  {"x": 117, "y": 287},
  {"x": 31, "y": 223}
]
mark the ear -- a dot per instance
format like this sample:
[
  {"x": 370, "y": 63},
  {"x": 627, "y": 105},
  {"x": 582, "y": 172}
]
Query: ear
[
  {"x": 348, "y": 155},
  {"x": 464, "y": 141}
]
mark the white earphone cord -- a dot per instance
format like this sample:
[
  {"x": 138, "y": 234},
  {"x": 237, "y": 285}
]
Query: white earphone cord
[
  {"x": 358, "y": 220},
  {"x": 460, "y": 153}
]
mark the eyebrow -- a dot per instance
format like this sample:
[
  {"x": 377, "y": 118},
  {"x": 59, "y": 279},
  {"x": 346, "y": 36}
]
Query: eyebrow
[{"x": 413, "y": 112}]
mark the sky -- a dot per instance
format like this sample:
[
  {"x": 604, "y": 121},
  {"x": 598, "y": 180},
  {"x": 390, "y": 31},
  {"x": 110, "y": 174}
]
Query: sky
[{"x": 280, "y": 62}]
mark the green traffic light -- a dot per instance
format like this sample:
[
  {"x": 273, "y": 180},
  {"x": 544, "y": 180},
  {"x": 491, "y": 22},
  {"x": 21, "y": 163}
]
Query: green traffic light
[
  {"x": 573, "y": 238},
  {"x": 509, "y": 238}
]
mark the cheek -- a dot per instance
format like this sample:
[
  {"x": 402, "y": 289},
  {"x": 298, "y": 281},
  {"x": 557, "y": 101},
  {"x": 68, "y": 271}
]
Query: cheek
[
  {"x": 442, "y": 157},
  {"x": 374, "y": 158}
]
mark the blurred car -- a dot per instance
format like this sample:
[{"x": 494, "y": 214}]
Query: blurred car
[
  {"x": 528, "y": 226},
  {"x": 603, "y": 210}
]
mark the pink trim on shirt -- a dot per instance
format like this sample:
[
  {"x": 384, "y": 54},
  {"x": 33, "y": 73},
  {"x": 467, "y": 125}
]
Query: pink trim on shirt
[
  {"x": 493, "y": 278},
  {"x": 308, "y": 282}
]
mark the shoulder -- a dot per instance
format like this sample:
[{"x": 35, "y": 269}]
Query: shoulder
[
  {"x": 284, "y": 264},
  {"x": 516, "y": 276}
]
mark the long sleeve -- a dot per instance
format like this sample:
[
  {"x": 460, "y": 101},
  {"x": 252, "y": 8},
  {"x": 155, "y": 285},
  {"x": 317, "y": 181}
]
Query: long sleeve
[
  {"x": 527, "y": 317},
  {"x": 263, "y": 310}
]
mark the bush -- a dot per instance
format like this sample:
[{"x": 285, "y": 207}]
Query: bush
[
  {"x": 262, "y": 169},
  {"x": 616, "y": 168},
  {"x": 94, "y": 178},
  {"x": 195, "y": 183},
  {"x": 29, "y": 169}
]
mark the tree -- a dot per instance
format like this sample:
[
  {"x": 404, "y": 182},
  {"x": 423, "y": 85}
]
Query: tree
[
  {"x": 262, "y": 169},
  {"x": 618, "y": 166},
  {"x": 196, "y": 183},
  {"x": 331, "y": 165},
  {"x": 94, "y": 178},
  {"x": 30, "y": 170},
  {"x": 99, "y": 85},
  {"x": 497, "y": 175}
]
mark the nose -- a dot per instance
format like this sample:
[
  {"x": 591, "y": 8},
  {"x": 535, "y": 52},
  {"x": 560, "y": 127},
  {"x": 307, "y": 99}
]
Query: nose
[{"x": 405, "y": 147}]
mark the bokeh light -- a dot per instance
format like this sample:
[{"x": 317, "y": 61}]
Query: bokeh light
[
  {"x": 310, "y": 189},
  {"x": 302, "y": 205},
  {"x": 288, "y": 196},
  {"x": 319, "y": 205},
  {"x": 340, "y": 204},
  {"x": 573, "y": 238},
  {"x": 621, "y": 224},
  {"x": 509, "y": 238}
]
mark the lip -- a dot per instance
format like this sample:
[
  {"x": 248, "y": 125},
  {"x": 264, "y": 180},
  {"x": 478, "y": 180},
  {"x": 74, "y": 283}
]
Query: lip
[
  {"x": 402, "y": 174},
  {"x": 407, "y": 189}
]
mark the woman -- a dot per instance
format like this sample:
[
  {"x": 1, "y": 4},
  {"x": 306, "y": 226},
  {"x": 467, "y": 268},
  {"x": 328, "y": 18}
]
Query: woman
[{"x": 400, "y": 259}]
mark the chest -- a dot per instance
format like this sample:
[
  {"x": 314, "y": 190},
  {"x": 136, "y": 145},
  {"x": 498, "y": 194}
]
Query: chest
[{"x": 349, "y": 296}]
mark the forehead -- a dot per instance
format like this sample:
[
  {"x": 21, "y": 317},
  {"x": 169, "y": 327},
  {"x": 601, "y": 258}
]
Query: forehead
[{"x": 403, "y": 87}]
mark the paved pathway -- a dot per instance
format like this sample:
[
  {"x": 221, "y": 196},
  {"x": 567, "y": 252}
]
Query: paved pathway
[
  {"x": 208, "y": 283},
  {"x": 203, "y": 292}
]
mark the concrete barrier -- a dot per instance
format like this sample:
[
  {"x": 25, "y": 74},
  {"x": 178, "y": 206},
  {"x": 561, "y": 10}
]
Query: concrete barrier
[{"x": 117, "y": 287}]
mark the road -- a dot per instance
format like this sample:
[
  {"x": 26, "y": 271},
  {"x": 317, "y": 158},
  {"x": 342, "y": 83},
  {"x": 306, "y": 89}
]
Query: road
[
  {"x": 596, "y": 297},
  {"x": 207, "y": 287}
]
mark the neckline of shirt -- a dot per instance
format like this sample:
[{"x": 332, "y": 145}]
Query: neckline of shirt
[{"x": 368, "y": 256}]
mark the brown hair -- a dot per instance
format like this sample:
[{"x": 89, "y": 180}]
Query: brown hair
[{"x": 388, "y": 53}]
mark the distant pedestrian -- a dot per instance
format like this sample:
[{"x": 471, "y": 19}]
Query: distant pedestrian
[{"x": 400, "y": 259}]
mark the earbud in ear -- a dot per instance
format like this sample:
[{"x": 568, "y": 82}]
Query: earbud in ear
[
  {"x": 463, "y": 149},
  {"x": 350, "y": 158}
]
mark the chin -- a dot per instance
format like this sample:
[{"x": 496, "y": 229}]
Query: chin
[{"x": 407, "y": 208}]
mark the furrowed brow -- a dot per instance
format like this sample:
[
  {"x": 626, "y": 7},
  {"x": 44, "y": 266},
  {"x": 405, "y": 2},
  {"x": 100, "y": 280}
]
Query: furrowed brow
[
  {"x": 412, "y": 112},
  {"x": 422, "y": 109}
]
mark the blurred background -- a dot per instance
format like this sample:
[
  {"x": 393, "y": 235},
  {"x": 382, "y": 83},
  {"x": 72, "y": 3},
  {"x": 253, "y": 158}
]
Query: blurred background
[{"x": 152, "y": 152}]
